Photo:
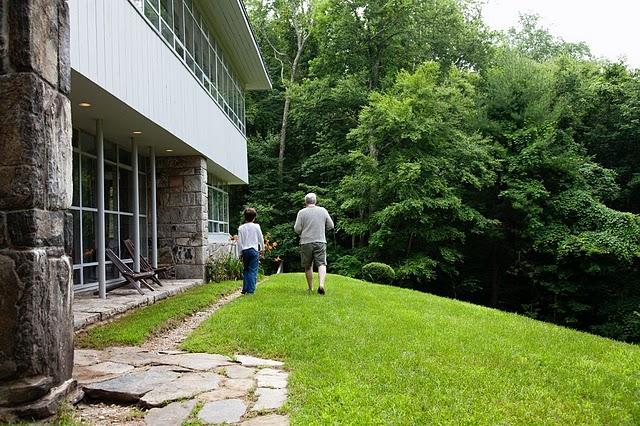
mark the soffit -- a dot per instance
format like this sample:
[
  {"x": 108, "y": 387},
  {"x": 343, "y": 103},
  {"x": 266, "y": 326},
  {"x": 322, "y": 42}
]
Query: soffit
[{"x": 230, "y": 24}]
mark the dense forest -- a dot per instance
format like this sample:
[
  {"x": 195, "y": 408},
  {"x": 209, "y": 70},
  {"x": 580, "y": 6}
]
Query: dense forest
[{"x": 498, "y": 168}]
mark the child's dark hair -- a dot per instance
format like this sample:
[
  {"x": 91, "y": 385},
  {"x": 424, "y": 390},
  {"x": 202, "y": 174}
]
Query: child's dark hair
[{"x": 249, "y": 214}]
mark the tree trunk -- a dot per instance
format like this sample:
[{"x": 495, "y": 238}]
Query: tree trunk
[
  {"x": 302, "y": 39},
  {"x": 283, "y": 136}
]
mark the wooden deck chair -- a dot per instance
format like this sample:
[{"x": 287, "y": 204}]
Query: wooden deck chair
[
  {"x": 146, "y": 266},
  {"x": 132, "y": 278}
]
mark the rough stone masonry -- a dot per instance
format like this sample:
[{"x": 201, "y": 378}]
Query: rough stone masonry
[
  {"x": 36, "y": 320},
  {"x": 182, "y": 214}
]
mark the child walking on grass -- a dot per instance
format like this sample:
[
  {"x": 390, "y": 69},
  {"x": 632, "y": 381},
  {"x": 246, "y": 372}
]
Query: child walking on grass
[{"x": 250, "y": 245}]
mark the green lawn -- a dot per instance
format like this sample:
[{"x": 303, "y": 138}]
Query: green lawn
[
  {"x": 371, "y": 354},
  {"x": 134, "y": 328}
]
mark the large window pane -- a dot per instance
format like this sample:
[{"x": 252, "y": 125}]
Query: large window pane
[
  {"x": 87, "y": 143},
  {"x": 212, "y": 67},
  {"x": 152, "y": 14},
  {"x": 111, "y": 272},
  {"x": 111, "y": 232},
  {"x": 126, "y": 233},
  {"x": 166, "y": 11},
  {"x": 126, "y": 191},
  {"x": 167, "y": 34},
  {"x": 76, "y": 237},
  {"x": 90, "y": 274},
  {"x": 142, "y": 193},
  {"x": 188, "y": 32},
  {"x": 144, "y": 243},
  {"x": 89, "y": 237},
  {"x": 210, "y": 203},
  {"x": 110, "y": 151},
  {"x": 88, "y": 180},
  {"x": 178, "y": 23},
  {"x": 76, "y": 179},
  {"x": 110, "y": 187},
  {"x": 77, "y": 273},
  {"x": 198, "y": 46},
  {"x": 124, "y": 156}
]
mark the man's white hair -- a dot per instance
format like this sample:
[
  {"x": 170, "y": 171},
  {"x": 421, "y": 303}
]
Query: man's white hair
[{"x": 310, "y": 198}]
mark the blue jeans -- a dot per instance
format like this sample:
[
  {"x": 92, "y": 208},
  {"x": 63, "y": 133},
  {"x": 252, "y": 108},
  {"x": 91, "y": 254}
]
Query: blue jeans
[{"x": 250, "y": 258}]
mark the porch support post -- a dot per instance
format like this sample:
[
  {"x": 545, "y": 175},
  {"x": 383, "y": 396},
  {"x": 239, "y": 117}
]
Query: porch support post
[
  {"x": 102, "y": 286},
  {"x": 154, "y": 216},
  {"x": 136, "y": 206}
]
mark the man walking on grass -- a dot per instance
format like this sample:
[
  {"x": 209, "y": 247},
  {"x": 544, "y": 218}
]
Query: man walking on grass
[{"x": 311, "y": 224}]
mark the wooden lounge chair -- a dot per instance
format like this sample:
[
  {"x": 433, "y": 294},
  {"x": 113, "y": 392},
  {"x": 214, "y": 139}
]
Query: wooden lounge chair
[
  {"x": 132, "y": 278},
  {"x": 146, "y": 266}
]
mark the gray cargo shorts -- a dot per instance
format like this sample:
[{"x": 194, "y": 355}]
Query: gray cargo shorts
[{"x": 313, "y": 253}]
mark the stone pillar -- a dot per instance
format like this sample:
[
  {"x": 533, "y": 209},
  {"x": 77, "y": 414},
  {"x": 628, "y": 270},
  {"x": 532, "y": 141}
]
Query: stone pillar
[
  {"x": 36, "y": 319},
  {"x": 182, "y": 214}
]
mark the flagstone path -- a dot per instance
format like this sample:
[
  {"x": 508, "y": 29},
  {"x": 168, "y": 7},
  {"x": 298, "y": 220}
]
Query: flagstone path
[{"x": 158, "y": 385}]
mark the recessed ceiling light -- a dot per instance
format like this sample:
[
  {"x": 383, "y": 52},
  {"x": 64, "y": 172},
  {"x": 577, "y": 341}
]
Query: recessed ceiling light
[
  {"x": 84, "y": 104},
  {"x": 168, "y": 150},
  {"x": 137, "y": 132}
]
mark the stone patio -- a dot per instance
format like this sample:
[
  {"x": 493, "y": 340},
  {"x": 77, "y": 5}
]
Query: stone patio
[
  {"x": 170, "y": 384},
  {"x": 89, "y": 309}
]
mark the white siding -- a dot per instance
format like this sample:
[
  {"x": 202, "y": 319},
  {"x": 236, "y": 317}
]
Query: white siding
[{"x": 113, "y": 46}]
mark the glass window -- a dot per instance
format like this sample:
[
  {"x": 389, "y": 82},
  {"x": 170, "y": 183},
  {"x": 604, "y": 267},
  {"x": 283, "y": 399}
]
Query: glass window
[
  {"x": 110, "y": 187},
  {"x": 218, "y": 207},
  {"x": 166, "y": 11},
  {"x": 178, "y": 20},
  {"x": 126, "y": 233},
  {"x": 87, "y": 143},
  {"x": 125, "y": 189},
  {"x": 167, "y": 34},
  {"x": 110, "y": 152},
  {"x": 111, "y": 232},
  {"x": 111, "y": 272},
  {"x": 90, "y": 274},
  {"x": 76, "y": 180},
  {"x": 144, "y": 243},
  {"x": 88, "y": 172},
  {"x": 76, "y": 232},
  {"x": 142, "y": 192},
  {"x": 181, "y": 24},
  {"x": 151, "y": 13},
  {"x": 178, "y": 26},
  {"x": 89, "y": 237},
  {"x": 124, "y": 156},
  {"x": 118, "y": 192},
  {"x": 188, "y": 32}
]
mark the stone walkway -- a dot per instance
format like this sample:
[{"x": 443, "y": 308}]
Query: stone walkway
[
  {"x": 89, "y": 309},
  {"x": 156, "y": 384},
  {"x": 174, "y": 386}
]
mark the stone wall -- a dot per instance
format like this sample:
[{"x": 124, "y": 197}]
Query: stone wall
[
  {"x": 36, "y": 320},
  {"x": 182, "y": 214}
]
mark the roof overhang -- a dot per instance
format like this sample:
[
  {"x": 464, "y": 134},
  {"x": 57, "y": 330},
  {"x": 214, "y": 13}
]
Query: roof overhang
[
  {"x": 230, "y": 23},
  {"x": 120, "y": 121}
]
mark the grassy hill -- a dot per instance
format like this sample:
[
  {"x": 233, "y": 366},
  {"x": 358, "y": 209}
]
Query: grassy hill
[{"x": 372, "y": 354}]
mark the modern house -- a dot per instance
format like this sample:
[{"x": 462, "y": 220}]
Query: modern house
[{"x": 158, "y": 113}]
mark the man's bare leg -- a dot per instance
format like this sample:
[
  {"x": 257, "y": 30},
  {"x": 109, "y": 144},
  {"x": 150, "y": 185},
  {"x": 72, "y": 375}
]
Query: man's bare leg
[
  {"x": 308, "y": 273},
  {"x": 322, "y": 273}
]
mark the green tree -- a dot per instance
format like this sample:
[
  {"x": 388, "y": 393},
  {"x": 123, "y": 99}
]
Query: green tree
[{"x": 429, "y": 159}]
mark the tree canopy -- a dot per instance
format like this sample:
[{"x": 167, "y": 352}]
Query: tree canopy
[{"x": 500, "y": 168}]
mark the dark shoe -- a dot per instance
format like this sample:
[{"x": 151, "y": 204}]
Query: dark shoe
[{"x": 320, "y": 290}]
